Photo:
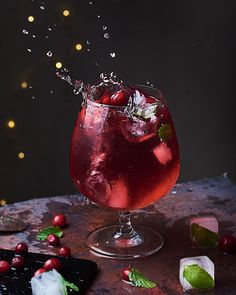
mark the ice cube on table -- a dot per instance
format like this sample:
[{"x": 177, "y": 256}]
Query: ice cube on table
[
  {"x": 204, "y": 230},
  {"x": 48, "y": 283},
  {"x": 196, "y": 273}
]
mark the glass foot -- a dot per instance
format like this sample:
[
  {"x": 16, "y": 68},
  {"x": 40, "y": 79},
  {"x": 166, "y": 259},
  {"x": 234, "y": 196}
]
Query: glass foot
[{"x": 107, "y": 242}]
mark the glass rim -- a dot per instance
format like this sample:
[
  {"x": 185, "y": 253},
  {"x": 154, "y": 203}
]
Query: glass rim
[{"x": 160, "y": 99}]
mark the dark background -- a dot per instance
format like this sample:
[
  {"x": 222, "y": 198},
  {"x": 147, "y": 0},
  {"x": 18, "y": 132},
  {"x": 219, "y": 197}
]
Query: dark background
[{"x": 185, "y": 48}]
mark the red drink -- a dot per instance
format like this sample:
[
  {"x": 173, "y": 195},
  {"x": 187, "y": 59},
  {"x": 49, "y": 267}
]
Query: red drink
[{"x": 124, "y": 159}]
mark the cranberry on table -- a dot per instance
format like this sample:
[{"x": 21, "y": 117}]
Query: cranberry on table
[
  {"x": 4, "y": 267},
  {"x": 125, "y": 274},
  {"x": 18, "y": 262},
  {"x": 64, "y": 251},
  {"x": 21, "y": 248},
  {"x": 227, "y": 244},
  {"x": 39, "y": 271},
  {"x": 52, "y": 263},
  {"x": 59, "y": 220},
  {"x": 53, "y": 240}
]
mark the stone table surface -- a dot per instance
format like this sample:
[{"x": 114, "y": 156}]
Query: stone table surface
[{"x": 170, "y": 216}]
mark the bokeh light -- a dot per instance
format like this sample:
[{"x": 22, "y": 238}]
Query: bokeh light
[
  {"x": 66, "y": 12},
  {"x": 24, "y": 85},
  {"x": 21, "y": 155},
  {"x": 30, "y": 18},
  {"x": 78, "y": 46},
  {"x": 58, "y": 65},
  {"x": 11, "y": 124}
]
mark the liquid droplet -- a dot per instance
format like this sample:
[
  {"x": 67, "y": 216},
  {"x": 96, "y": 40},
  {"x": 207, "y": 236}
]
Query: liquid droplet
[
  {"x": 42, "y": 7},
  {"x": 99, "y": 16},
  {"x": 49, "y": 29},
  {"x": 25, "y": 32},
  {"x": 46, "y": 36},
  {"x": 33, "y": 97},
  {"x": 88, "y": 42},
  {"x": 49, "y": 53},
  {"x": 51, "y": 92},
  {"x": 104, "y": 28},
  {"x": 106, "y": 36},
  {"x": 29, "y": 50},
  {"x": 112, "y": 54},
  {"x": 33, "y": 36},
  {"x": 90, "y": 2}
]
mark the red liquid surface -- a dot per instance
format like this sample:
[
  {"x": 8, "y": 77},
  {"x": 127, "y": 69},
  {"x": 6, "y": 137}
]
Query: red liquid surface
[{"x": 121, "y": 162}]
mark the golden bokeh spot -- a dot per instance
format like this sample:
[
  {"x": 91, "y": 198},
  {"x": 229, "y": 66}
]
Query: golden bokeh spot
[
  {"x": 66, "y": 12},
  {"x": 58, "y": 65},
  {"x": 24, "y": 85},
  {"x": 21, "y": 155},
  {"x": 30, "y": 18},
  {"x": 78, "y": 46},
  {"x": 11, "y": 124},
  {"x": 3, "y": 202}
]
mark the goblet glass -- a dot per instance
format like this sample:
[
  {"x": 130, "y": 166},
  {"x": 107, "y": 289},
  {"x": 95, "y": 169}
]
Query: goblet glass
[{"x": 125, "y": 158}]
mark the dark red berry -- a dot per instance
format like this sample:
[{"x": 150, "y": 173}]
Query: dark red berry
[
  {"x": 59, "y": 220},
  {"x": 39, "y": 271},
  {"x": 18, "y": 262},
  {"x": 120, "y": 98},
  {"x": 64, "y": 251},
  {"x": 125, "y": 274},
  {"x": 21, "y": 248},
  {"x": 52, "y": 263},
  {"x": 53, "y": 240},
  {"x": 4, "y": 267},
  {"x": 227, "y": 244},
  {"x": 106, "y": 99}
]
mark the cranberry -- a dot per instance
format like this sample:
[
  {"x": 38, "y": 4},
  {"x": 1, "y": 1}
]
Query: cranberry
[
  {"x": 21, "y": 248},
  {"x": 52, "y": 263},
  {"x": 227, "y": 244},
  {"x": 106, "y": 99},
  {"x": 125, "y": 274},
  {"x": 59, "y": 220},
  {"x": 53, "y": 240},
  {"x": 120, "y": 98},
  {"x": 4, "y": 267},
  {"x": 18, "y": 262},
  {"x": 39, "y": 271},
  {"x": 64, "y": 251}
]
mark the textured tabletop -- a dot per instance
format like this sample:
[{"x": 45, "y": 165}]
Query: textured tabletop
[{"x": 169, "y": 216}]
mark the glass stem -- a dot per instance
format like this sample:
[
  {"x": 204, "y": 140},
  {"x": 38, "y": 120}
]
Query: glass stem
[{"x": 125, "y": 228}]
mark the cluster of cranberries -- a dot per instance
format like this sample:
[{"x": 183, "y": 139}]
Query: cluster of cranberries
[
  {"x": 17, "y": 262},
  {"x": 54, "y": 240}
]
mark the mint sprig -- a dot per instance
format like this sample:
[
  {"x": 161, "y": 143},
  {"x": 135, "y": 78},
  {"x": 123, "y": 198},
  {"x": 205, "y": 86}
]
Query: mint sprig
[
  {"x": 165, "y": 132},
  {"x": 198, "y": 277},
  {"x": 66, "y": 284},
  {"x": 43, "y": 234},
  {"x": 139, "y": 280},
  {"x": 204, "y": 236}
]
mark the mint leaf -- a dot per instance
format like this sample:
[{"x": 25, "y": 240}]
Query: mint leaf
[
  {"x": 165, "y": 132},
  {"x": 43, "y": 234},
  {"x": 198, "y": 277},
  {"x": 204, "y": 236},
  {"x": 139, "y": 280},
  {"x": 66, "y": 284}
]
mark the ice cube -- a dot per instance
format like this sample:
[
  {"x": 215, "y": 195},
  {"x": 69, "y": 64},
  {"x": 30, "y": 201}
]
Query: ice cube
[
  {"x": 163, "y": 153},
  {"x": 48, "y": 283},
  {"x": 204, "y": 230},
  {"x": 196, "y": 273}
]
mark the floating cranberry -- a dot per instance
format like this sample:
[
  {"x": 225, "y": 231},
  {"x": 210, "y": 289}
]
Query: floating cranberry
[
  {"x": 53, "y": 240},
  {"x": 227, "y": 244},
  {"x": 64, "y": 251},
  {"x": 39, "y": 271},
  {"x": 4, "y": 267},
  {"x": 52, "y": 263},
  {"x": 120, "y": 98},
  {"x": 18, "y": 262},
  {"x": 125, "y": 274},
  {"x": 21, "y": 248},
  {"x": 59, "y": 220},
  {"x": 106, "y": 99}
]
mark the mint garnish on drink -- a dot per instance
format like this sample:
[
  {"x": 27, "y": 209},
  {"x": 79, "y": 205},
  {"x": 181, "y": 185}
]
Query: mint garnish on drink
[
  {"x": 139, "y": 280},
  {"x": 204, "y": 236},
  {"x": 165, "y": 132},
  {"x": 198, "y": 277},
  {"x": 43, "y": 234}
]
